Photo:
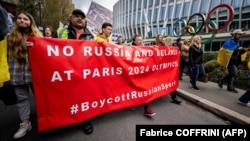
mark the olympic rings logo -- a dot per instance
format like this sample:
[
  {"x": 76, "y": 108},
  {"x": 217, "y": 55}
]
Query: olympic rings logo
[{"x": 203, "y": 22}]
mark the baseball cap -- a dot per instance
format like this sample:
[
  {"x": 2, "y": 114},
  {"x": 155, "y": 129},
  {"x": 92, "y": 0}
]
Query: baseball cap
[
  {"x": 238, "y": 31},
  {"x": 78, "y": 11}
]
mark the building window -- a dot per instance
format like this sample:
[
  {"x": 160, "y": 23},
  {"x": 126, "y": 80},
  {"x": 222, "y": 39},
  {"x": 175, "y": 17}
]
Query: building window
[
  {"x": 130, "y": 7},
  {"x": 155, "y": 14},
  {"x": 236, "y": 3},
  {"x": 157, "y": 2},
  {"x": 246, "y": 3},
  {"x": 149, "y": 15},
  {"x": 177, "y": 10},
  {"x": 169, "y": 29},
  {"x": 135, "y": 5},
  {"x": 195, "y": 7},
  {"x": 134, "y": 18},
  {"x": 245, "y": 24},
  {"x": 150, "y": 3},
  {"x": 155, "y": 31},
  {"x": 214, "y": 3},
  {"x": 170, "y": 10},
  {"x": 204, "y": 6},
  {"x": 225, "y": 2},
  {"x": 234, "y": 25},
  {"x": 185, "y": 9},
  {"x": 162, "y": 13},
  {"x": 138, "y": 17},
  {"x": 145, "y": 3}
]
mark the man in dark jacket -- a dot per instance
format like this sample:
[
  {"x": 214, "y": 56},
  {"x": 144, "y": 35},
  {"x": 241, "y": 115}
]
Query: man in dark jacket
[
  {"x": 77, "y": 29},
  {"x": 234, "y": 45}
]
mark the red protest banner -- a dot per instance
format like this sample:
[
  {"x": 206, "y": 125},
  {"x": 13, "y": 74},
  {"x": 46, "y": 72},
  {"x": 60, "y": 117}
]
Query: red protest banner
[{"x": 76, "y": 80}]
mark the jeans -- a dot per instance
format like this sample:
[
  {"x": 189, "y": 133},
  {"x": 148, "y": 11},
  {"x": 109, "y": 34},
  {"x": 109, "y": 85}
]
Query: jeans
[
  {"x": 245, "y": 98},
  {"x": 197, "y": 71}
]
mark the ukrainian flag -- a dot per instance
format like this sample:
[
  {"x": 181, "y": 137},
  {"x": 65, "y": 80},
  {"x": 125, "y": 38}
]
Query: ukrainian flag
[
  {"x": 4, "y": 68},
  {"x": 226, "y": 51},
  {"x": 244, "y": 56},
  {"x": 224, "y": 56}
]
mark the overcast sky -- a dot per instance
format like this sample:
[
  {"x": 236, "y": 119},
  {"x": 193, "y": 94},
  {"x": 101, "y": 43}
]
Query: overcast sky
[{"x": 84, "y": 4}]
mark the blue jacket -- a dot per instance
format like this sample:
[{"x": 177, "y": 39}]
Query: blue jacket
[
  {"x": 231, "y": 44},
  {"x": 4, "y": 29}
]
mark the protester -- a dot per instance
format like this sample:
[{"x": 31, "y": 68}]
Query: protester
[
  {"x": 196, "y": 61},
  {"x": 65, "y": 25},
  {"x": 185, "y": 54},
  {"x": 169, "y": 43},
  {"x": 19, "y": 68},
  {"x": 244, "y": 99},
  {"x": 48, "y": 32},
  {"x": 119, "y": 40},
  {"x": 233, "y": 44},
  {"x": 77, "y": 30},
  {"x": 105, "y": 34},
  {"x": 179, "y": 43},
  {"x": 159, "y": 40},
  {"x": 148, "y": 112}
]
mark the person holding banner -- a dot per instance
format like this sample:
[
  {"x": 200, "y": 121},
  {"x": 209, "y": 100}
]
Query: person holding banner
[
  {"x": 19, "y": 67},
  {"x": 179, "y": 43},
  {"x": 159, "y": 40},
  {"x": 148, "y": 112},
  {"x": 106, "y": 32},
  {"x": 231, "y": 50},
  {"x": 48, "y": 32},
  {"x": 77, "y": 30},
  {"x": 170, "y": 43},
  {"x": 119, "y": 40}
]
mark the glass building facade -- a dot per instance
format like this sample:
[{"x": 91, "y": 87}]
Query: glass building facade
[{"x": 152, "y": 17}]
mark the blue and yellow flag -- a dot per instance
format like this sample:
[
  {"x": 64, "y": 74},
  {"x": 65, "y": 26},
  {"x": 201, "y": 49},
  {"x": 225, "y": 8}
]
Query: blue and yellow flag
[
  {"x": 4, "y": 68},
  {"x": 226, "y": 51},
  {"x": 244, "y": 56},
  {"x": 224, "y": 56},
  {"x": 231, "y": 44}
]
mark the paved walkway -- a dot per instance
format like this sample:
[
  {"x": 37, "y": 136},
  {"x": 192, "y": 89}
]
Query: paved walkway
[{"x": 218, "y": 101}]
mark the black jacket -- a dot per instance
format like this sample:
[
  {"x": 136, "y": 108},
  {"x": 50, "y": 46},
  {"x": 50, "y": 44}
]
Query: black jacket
[
  {"x": 72, "y": 34},
  {"x": 195, "y": 55}
]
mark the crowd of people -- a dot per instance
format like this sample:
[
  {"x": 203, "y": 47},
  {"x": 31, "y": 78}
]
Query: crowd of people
[{"x": 191, "y": 54}]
